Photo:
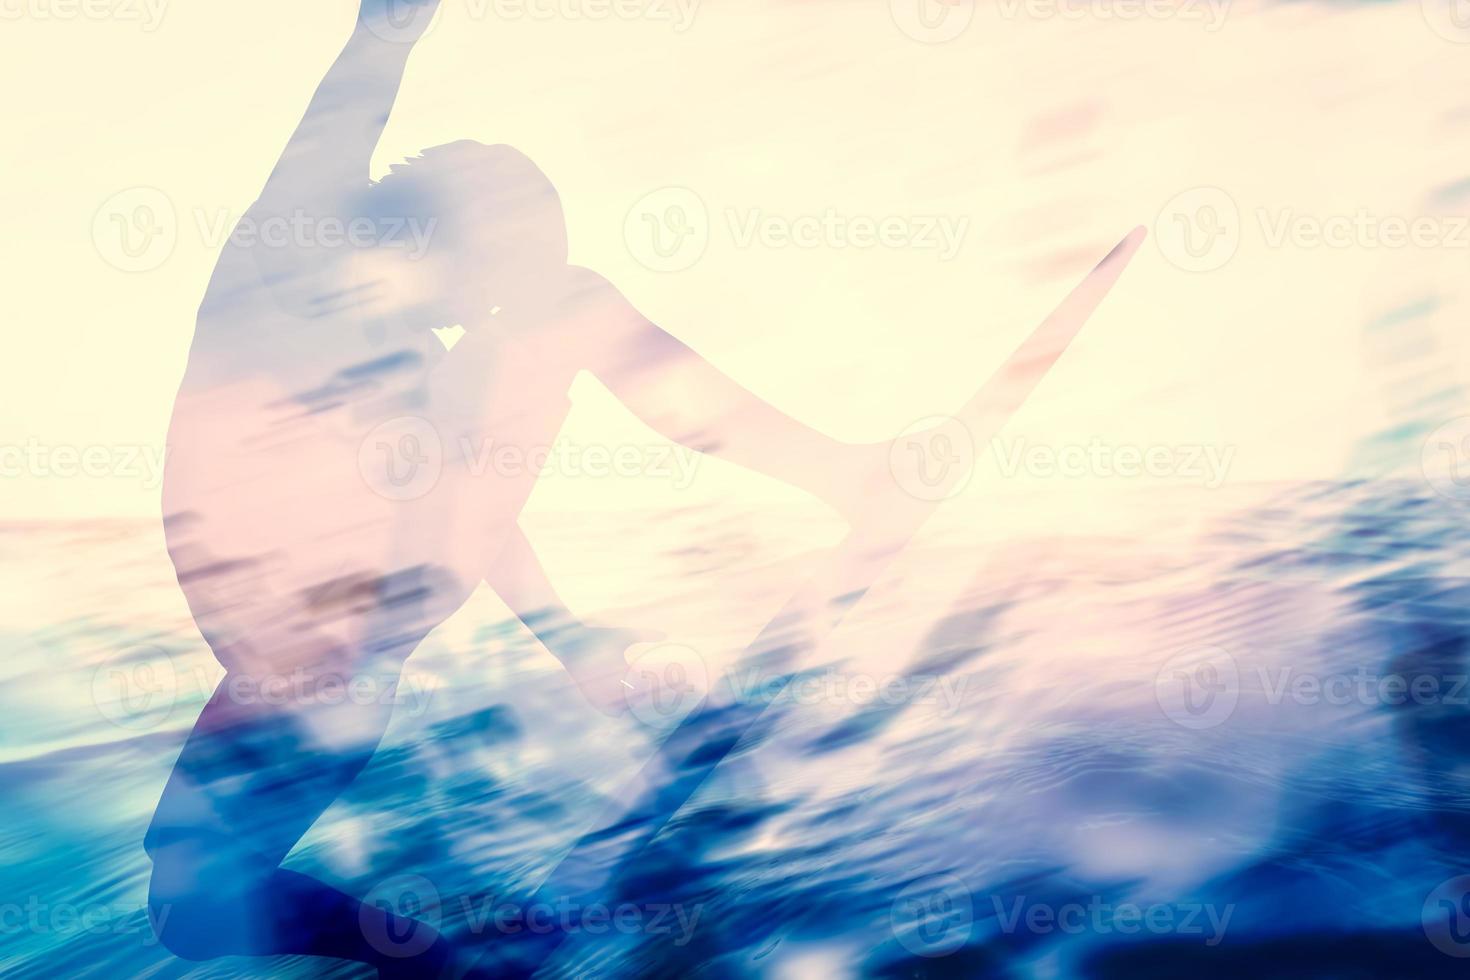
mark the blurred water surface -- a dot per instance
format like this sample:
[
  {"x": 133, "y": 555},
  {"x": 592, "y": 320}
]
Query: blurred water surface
[{"x": 1210, "y": 734}]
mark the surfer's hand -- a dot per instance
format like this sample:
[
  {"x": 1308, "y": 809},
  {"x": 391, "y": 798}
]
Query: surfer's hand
[{"x": 403, "y": 21}]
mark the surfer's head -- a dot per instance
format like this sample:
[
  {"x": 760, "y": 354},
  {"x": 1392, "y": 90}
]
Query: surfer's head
[{"x": 477, "y": 224}]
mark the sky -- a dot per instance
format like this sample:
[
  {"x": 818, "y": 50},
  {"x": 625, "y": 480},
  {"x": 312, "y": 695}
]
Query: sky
[{"x": 1003, "y": 160}]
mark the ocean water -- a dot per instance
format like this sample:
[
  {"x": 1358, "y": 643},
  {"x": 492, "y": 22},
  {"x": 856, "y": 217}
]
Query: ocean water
[{"x": 1243, "y": 756}]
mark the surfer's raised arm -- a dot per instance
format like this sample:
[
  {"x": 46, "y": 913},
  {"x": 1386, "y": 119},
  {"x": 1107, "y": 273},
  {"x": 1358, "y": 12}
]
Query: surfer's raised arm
[
  {"x": 687, "y": 400},
  {"x": 333, "y": 144},
  {"x": 325, "y": 164}
]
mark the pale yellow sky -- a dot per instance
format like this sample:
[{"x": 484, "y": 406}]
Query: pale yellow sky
[{"x": 1044, "y": 137}]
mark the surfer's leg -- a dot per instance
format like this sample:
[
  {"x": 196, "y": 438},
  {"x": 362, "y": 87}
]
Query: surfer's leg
[
  {"x": 251, "y": 780},
  {"x": 280, "y": 913},
  {"x": 304, "y": 703}
]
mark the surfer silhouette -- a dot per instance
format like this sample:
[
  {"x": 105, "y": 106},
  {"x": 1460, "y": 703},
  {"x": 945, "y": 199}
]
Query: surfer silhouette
[{"x": 320, "y": 513}]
